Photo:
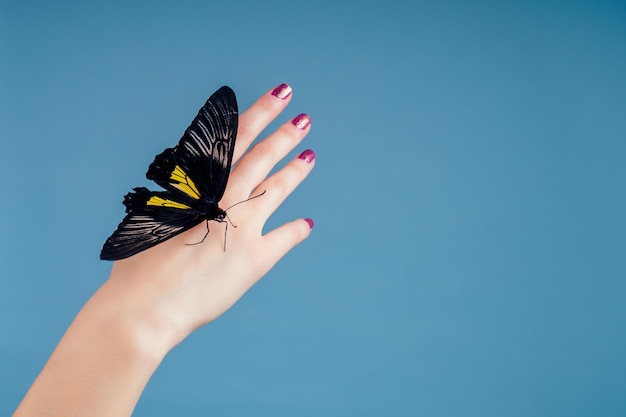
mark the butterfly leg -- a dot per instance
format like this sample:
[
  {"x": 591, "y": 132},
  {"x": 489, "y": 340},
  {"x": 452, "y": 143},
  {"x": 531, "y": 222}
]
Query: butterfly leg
[
  {"x": 225, "y": 231},
  {"x": 205, "y": 235}
]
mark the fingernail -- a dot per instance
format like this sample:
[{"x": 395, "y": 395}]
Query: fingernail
[
  {"x": 301, "y": 121},
  {"x": 307, "y": 156},
  {"x": 282, "y": 91},
  {"x": 310, "y": 222}
]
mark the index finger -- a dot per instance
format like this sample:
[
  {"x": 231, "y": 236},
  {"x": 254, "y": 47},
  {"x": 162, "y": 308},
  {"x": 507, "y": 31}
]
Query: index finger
[{"x": 259, "y": 116}]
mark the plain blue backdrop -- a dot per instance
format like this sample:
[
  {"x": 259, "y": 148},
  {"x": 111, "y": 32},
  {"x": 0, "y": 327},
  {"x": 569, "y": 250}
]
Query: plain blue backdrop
[{"x": 468, "y": 256}]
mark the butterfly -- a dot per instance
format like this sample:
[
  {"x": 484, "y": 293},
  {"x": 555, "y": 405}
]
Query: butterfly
[{"x": 194, "y": 175}]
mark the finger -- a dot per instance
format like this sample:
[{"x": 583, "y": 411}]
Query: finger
[
  {"x": 259, "y": 161},
  {"x": 278, "y": 187},
  {"x": 258, "y": 116},
  {"x": 284, "y": 238}
]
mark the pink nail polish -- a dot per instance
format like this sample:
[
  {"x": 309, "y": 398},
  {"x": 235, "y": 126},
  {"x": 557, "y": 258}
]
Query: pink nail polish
[
  {"x": 310, "y": 222},
  {"x": 307, "y": 156},
  {"x": 282, "y": 91},
  {"x": 301, "y": 121}
]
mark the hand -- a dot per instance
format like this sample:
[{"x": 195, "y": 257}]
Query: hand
[
  {"x": 156, "y": 298},
  {"x": 190, "y": 285}
]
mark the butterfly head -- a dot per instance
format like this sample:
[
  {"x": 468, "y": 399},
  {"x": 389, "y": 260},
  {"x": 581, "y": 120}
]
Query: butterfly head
[{"x": 221, "y": 215}]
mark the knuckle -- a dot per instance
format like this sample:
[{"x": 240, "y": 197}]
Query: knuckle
[
  {"x": 290, "y": 134},
  {"x": 267, "y": 107},
  {"x": 263, "y": 148},
  {"x": 279, "y": 183}
]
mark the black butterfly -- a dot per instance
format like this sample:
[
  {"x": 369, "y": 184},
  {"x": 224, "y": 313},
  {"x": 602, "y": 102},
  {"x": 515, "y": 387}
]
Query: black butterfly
[{"x": 194, "y": 175}]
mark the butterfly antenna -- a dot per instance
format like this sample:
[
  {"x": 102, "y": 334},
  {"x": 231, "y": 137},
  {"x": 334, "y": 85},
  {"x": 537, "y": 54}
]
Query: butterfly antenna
[
  {"x": 228, "y": 220},
  {"x": 246, "y": 200}
]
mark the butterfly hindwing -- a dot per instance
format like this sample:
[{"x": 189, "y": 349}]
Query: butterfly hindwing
[
  {"x": 199, "y": 165},
  {"x": 152, "y": 217},
  {"x": 194, "y": 174}
]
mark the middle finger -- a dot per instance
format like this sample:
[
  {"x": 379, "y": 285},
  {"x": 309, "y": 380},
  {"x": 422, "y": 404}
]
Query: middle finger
[{"x": 259, "y": 161}]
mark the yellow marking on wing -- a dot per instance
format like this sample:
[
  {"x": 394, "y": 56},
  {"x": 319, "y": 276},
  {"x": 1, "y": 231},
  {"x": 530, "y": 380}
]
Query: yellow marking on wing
[
  {"x": 184, "y": 183},
  {"x": 162, "y": 202}
]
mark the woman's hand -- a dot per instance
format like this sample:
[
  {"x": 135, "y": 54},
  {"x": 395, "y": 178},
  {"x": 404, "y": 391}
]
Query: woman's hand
[
  {"x": 156, "y": 298},
  {"x": 191, "y": 285}
]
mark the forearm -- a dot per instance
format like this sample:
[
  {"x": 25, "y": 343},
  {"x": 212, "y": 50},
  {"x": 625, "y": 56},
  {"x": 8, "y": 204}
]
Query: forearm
[{"x": 102, "y": 364}]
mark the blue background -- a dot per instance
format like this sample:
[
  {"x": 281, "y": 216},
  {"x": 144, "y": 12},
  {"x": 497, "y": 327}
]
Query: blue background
[{"x": 469, "y": 198}]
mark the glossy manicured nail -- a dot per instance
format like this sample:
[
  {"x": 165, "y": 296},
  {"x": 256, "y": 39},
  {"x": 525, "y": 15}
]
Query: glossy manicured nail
[
  {"x": 307, "y": 156},
  {"x": 282, "y": 91},
  {"x": 301, "y": 121},
  {"x": 310, "y": 222}
]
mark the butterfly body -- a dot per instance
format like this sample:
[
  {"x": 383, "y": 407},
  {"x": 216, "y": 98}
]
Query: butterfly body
[{"x": 194, "y": 175}]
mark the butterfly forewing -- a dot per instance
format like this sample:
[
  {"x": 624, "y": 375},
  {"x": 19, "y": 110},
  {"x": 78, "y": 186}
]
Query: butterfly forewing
[{"x": 204, "y": 154}]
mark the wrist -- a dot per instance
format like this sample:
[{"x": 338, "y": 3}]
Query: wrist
[
  {"x": 139, "y": 316},
  {"x": 103, "y": 362}
]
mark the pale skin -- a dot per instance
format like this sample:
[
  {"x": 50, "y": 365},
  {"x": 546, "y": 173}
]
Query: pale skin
[{"x": 153, "y": 300}]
